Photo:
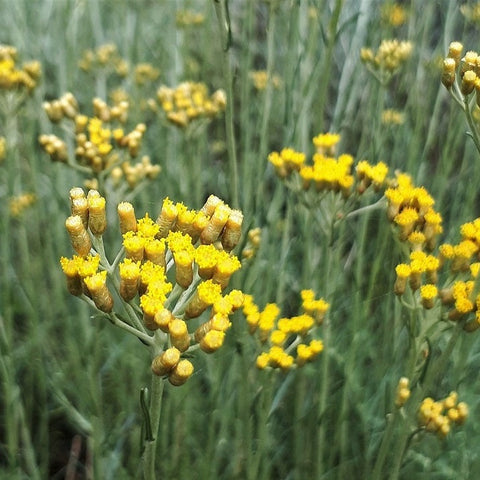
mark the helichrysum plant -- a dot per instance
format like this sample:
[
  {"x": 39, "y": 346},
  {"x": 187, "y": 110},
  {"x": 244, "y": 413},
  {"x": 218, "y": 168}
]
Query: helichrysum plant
[
  {"x": 461, "y": 76},
  {"x": 286, "y": 343},
  {"x": 105, "y": 59},
  {"x": 167, "y": 284},
  {"x": 390, "y": 56},
  {"x": 187, "y": 102},
  {"x": 14, "y": 76},
  {"x": 435, "y": 283},
  {"x": 102, "y": 149}
]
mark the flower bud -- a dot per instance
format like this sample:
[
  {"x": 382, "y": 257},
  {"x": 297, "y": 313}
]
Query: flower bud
[
  {"x": 79, "y": 237},
  {"x": 179, "y": 334},
  {"x": 468, "y": 82},
  {"x": 167, "y": 361},
  {"x": 215, "y": 226},
  {"x": 212, "y": 341},
  {"x": 163, "y": 318},
  {"x": 129, "y": 279},
  {"x": 181, "y": 373},
  {"x": 183, "y": 268},
  {"x": 232, "y": 231},
  {"x": 167, "y": 218},
  {"x": 448, "y": 73},
  {"x": 99, "y": 292},
  {"x": 97, "y": 217},
  {"x": 126, "y": 216}
]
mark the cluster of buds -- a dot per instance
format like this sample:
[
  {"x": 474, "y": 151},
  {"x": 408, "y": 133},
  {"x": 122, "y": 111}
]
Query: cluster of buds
[
  {"x": 438, "y": 416},
  {"x": 100, "y": 141},
  {"x": 328, "y": 173},
  {"x": 104, "y": 57},
  {"x": 462, "y": 294},
  {"x": 421, "y": 266},
  {"x": 145, "y": 73},
  {"x": 14, "y": 77},
  {"x": 289, "y": 342},
  {"x": 3, "y": 149},
  {"x": 17, "y": 205},
  {"x": 55, "y": 147},
  {"x": 411, "y": 209},
  {"x": 254, "y": 238},
  {"x": 471, "y": 12},
  {"x": 394, "y": 14},
  {"x": 402, "y": 393},
  {"x": 58, "y": 109},
  {"x": 189, "y": 101},
  {"x": 260, "y": 80},
  {"x": 390, "y": 57},
  {"x": 135, "y": 173},
  {"x": 189, "y": 18},
  {"x": 391, "y": 116},
  {"x": 461, "y": 76},
  {"x": 175, "y": 269}
]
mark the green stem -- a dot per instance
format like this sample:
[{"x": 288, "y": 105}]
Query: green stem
[
  {"x": 221, "y": 9},
  {"x": 157, "y": 386},
  {"x": 471, "y": 124},
  {"x": 327, "y": 64},
  {"x": 392, "y": 420},
  {"x": 400, "y": 448}
]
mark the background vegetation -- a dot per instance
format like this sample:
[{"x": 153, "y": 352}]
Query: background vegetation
[{"x": 68, "y": 380}]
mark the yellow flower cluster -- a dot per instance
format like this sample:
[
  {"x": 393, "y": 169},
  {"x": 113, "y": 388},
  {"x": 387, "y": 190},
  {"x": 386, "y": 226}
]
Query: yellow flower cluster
[
  {"x": 461, "y": 75},
  {"x": 411, "y": 209},
  {"x": 104, "y": 57},
  {"x": 3, "y": 148},
  {"x": 390, "y": 56},
  {"x": 394, "y": 14},
  {"x": 135, "y": 173},
  {"x": 260, "y": 80},
  {"x": 392, "y": 117},
  {"x": 471, "y": 12},
  {"x": 288, "y": 340},
  {"x": 189, "y": 101},
  {"x": 100, "y": 141},
  {"x": 83, "y": 277},
  {"x": 189, "y": 18},
  {"x": 177, "y": 267},
  {"x": 145, "y": 73},
  {"x": 438, "y": 416},
  {"x": 13, "y": 77},
  {"x": 326, "y": 143},
  {"x": 254, "y": 237},
  {"x": 18, "y": 204},
  {"x": 403, "y": 392},
  {"x": 327, "y": 173},
  {"x": 287, "y": 161}
]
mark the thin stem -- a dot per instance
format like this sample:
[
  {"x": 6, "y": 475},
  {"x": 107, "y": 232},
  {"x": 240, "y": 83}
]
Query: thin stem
[
  {"x": 221, "y": 9},
  {"x": 157, "y": 387}
]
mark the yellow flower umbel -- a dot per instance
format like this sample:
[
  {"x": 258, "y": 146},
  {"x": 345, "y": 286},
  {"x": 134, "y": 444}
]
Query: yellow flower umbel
[
  {"x": 189, "y": 101},
  {"x": 104, "y": 58},
  {"x": 103, "y": 149},
  {"x": 14, "y": 77},
  {"x": 260, "y": 80},
  {"x": 326, "y": 172},
  {"x": 286, "y": 342},
  {"x": 394, "y": 14},
  {"x": 388, "y": 59},
  {"x": 439, "y": 416},
  {"x": 163, "y": 286},
  {"x": 17, "y": 205},
  {"x": 403, "y": 392}
]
